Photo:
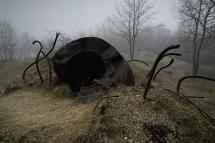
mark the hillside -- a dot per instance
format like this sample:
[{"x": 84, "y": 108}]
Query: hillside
[{"x": 39, "y": 114}]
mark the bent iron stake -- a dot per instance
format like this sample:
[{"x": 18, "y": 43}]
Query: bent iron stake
[
  {"x": 162, "y": 68},
  {"x": 191, "y": 77},
  {"x": 203, "y": 113},
  {"x": 162, "y": 55},
  {"x": 38, "y": 59}
]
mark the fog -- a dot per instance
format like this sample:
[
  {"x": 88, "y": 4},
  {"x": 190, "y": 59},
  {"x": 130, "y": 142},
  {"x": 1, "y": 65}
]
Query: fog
[
  {"x": 97, "y": 71},
  {"x": 40, "y": 17}
]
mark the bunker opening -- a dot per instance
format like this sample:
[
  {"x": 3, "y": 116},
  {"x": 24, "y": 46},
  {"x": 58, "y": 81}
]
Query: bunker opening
[
  {"x": 88, "y": 59},
  {"x": 83, "y": 69}
]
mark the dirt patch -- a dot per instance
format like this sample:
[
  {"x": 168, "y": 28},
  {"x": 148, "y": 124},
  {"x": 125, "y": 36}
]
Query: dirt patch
[{"x": 33, "y": 115}]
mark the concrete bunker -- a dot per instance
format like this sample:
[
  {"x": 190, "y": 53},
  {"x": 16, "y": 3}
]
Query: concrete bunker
[{"x": 87, "y": 59}]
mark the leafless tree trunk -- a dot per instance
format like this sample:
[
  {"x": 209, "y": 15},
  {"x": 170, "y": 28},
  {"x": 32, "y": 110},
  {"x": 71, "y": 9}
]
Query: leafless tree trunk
[
  {"x": 129, "y": 21},
  {"x": 199, "y": 17},
  {"x": 208, "y": 17}
]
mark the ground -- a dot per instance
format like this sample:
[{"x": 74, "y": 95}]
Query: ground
[
  {"x": 32, "y": 115},
  {"x": 41, "y": 114}
]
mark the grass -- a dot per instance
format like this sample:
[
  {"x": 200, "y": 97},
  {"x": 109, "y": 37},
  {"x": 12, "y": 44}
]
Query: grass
[
  {"x": 38, "y": 114},
  {"x": 10, "y": 71},
  {"x": 41, "y": 112},
  {"x": 163, "y": 118}
]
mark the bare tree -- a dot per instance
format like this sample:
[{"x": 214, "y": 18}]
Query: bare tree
[
  {"x": 7, "y": 41},
  {"x": 198, "y": 16},
  {"x": 129, "y": 21}
]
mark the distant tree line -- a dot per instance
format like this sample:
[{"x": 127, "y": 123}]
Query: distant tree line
[
  {"x": 196, "y": 32},
  {"x": 129, "y": 33},
  {"x": 18, "y": 46}
]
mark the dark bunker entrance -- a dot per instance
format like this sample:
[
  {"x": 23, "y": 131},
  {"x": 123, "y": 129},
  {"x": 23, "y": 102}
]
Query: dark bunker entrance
[
  {"x": 81, "y": 61},
  {"x": 83, "y": 68}
]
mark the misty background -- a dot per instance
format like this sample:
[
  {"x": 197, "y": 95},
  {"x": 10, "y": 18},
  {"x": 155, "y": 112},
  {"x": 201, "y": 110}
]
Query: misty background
[
  {"x": 40, "y": 17},
  {"x": 31, "y": 20}
]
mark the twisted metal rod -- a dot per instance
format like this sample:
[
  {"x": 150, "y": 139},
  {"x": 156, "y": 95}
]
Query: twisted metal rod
[
  {"x": 48, "y": 61},
  {"x": 36, "y": 62},
  {"x": 162, "y": 57},
  {"x": 37, "y": 58},
  {"x": 50, "y": 68},
  {"x": 187, "y": 99},
  {"x": 191, "y": 77},
  {"x": 45, "y": 56},
  {"x": 157, "y": 61},
  {"x": 162, "y": 68},
  {"x": 203, "y": 113}
]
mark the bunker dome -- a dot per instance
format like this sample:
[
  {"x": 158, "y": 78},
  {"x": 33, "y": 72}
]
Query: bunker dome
[{"x": 89, "y": 59}]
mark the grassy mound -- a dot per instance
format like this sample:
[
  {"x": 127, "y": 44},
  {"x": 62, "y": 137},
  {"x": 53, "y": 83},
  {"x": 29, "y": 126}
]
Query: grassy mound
[
  {"x": 38, "y": 114},
  {"x": 163, "y": 118}
]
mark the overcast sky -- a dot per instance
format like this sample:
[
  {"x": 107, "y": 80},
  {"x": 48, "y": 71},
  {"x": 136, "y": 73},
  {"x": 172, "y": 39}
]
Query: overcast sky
[{"x": 39, "y": 17}]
